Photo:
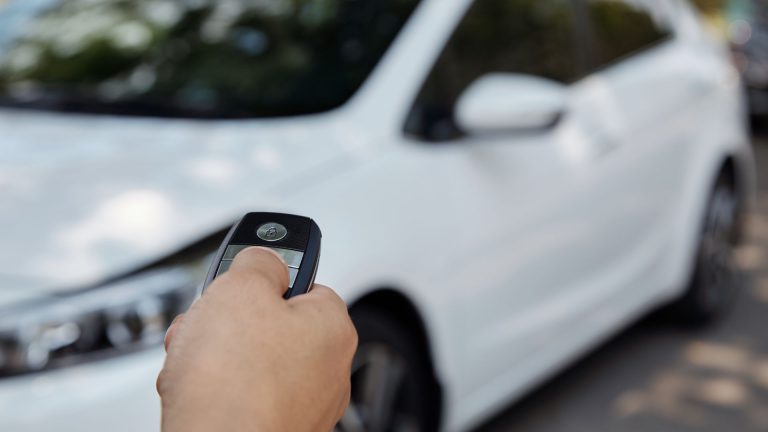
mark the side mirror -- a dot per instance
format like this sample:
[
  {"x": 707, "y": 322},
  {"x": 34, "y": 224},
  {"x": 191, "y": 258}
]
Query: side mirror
[{"x": 502, "y": 102}]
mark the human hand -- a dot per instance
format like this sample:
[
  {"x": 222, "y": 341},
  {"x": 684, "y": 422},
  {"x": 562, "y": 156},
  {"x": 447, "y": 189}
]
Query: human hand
[{"x": 245, "y": 359}]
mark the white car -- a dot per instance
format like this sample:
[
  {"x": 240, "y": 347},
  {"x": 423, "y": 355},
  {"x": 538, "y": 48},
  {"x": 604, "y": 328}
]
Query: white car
[{"x": 501, "y": 185}]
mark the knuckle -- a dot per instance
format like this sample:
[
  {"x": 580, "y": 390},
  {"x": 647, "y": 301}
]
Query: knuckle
[
  {"x": 345, "y": 334},
  {"x": 160, "y": 382},
  {"x": 354, "y": 337},
  {"x": 352, "y": 340},
  {"x": 330, "y": 297}
]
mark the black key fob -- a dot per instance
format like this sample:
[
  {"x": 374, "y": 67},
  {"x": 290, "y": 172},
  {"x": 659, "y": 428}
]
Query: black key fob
[{"x": 295, "y": 238}]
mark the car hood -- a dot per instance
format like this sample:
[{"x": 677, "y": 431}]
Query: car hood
[{"x": 86, "y": 197}]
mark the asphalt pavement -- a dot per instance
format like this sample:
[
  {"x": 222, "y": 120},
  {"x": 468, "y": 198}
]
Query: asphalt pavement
[{"x": 654, "y": 377}]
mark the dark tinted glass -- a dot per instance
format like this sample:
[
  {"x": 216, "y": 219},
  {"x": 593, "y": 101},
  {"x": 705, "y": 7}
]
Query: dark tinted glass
[
  {"x": 192, "y": 58},
  {"x": 523, "y": 36},
  {"x": 620, "y": 29}
]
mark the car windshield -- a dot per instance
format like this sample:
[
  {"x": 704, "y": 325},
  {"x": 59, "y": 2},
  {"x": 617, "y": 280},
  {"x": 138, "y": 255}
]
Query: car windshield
[{"x": 192, "y": 58}]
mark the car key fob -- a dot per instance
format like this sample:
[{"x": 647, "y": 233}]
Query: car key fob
[{"x": 295, "y": 238}]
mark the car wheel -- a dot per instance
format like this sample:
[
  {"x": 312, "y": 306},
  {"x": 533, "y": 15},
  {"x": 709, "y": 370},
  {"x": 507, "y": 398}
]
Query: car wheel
[
  {"x": 393, "y": 389},
  {"x": 715, "y": 280}
]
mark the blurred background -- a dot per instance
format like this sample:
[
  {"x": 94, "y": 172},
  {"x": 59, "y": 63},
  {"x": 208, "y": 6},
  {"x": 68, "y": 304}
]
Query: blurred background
[{"x": 133, "y": 132}]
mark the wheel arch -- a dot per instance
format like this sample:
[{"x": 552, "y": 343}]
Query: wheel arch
[
  {"x": 395, "y": 303},
  {"x": 737, "y": 169}
]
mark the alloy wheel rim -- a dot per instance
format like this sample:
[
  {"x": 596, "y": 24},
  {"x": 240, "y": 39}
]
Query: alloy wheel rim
[
  {"x": 717, "y": 252},
  {"x": 379, "y": 375}
]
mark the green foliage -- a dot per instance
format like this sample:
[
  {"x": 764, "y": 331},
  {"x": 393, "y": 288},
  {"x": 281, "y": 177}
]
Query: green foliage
[
  {"x": 711, "y": 6},
  {"x": 245, "y": 56}
]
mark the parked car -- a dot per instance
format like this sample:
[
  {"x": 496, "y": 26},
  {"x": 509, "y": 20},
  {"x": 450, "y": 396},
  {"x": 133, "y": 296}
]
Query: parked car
[
  {"x": 748, "y": 32},
  {"x": 501, "y": 185}
]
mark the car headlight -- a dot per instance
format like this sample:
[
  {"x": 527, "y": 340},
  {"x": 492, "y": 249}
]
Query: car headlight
[{"x": 126, "y": 315}]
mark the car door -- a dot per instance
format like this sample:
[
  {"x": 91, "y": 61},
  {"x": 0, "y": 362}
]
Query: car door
[
  {"x": 535, "y": 218},
  {"x": 635, "y": 56}
]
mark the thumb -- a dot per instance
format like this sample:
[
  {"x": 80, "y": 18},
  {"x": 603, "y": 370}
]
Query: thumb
[{"x": 261, "y": 269}]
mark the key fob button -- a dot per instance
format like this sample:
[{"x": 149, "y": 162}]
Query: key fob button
[
  {"x": 271, "y": 232},
  {"x": 223, "y": 267},
  {"x": 233, "y": 250},
  {"x": 291, "y": 257}
]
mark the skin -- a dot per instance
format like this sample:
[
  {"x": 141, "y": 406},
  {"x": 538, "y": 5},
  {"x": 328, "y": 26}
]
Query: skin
[{"x": 245, "y": 359}]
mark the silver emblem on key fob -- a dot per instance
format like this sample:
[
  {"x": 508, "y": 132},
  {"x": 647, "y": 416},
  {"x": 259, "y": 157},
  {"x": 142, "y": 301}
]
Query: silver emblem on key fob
[{"x": 271, "y": 232}]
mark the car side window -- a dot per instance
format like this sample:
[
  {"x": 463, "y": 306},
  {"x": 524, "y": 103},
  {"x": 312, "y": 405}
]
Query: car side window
[
  {"x": 534, "y": 37},
  {"x": 621, "y": 28}
]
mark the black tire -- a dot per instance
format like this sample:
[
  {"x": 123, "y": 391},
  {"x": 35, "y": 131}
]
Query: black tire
[
  {"x": 393, "y": 385},
  {"x": 716, "y": 279}
]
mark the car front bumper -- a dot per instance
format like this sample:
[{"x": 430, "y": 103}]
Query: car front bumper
[{"x": 115, "y": 395}]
